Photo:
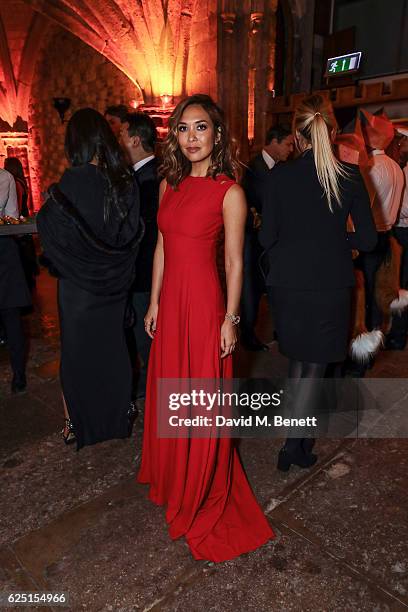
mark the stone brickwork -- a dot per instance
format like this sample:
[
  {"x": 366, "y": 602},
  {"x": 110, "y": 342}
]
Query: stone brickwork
[
  {"x": 22, "y": 34},
  {"x": 66, "y": 68},
  {"x": 202, "y": 59}
]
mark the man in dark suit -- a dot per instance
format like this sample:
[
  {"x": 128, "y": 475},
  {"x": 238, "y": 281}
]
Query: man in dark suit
[
  {"x": 278, "y": 147},
  {"x": 138, "y": 138}
]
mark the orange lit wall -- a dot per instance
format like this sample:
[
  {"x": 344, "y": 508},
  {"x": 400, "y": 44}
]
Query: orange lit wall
[
  {"x": 57, "y": 75},
  {"x": 15, "y": 144}
]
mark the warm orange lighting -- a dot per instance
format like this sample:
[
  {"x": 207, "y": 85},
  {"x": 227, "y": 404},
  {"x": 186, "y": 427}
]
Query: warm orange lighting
[
  {"x": 251, "y": 104},
  {"x": 14, "y": 139},
  {"x": 163, "y": 80},
  {"x": 160, "y": 116},
  {"x": 166, "y": 100},
  {"x": 15, "y": 144},
  {"x": 134, "y": 104}
]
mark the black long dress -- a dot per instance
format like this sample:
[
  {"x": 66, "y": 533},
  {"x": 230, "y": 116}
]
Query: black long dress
[{"x": 94, "y": 277}]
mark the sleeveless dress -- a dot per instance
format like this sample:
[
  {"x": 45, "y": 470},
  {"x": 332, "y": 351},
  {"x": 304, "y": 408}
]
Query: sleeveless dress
[{"x": 201, "y": 481}]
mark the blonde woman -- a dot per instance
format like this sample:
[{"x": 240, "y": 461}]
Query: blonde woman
[{"x": 305, "y": 210}]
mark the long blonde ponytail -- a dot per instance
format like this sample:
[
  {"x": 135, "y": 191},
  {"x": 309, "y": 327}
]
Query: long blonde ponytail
[{"x": 314, "y": 120}]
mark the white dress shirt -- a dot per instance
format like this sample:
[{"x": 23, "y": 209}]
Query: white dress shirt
[
  {"x": 384, "y": 180},
  {"x": 269, "y": 161},
  {"x": 142, "y": 162},
  {"x": 8, "y": 195},
  {"x": 403, "y": 216}
]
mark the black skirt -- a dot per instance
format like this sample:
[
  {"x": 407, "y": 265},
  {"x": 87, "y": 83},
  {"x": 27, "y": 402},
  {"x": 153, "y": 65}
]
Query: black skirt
[
  {"x": 96, "y": 375},
  {"x": 313, "y": 325}
]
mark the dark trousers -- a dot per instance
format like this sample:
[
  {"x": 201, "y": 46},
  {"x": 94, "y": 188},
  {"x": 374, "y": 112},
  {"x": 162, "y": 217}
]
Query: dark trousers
[
  {"x": 28, "y": 259},
  {"x": 252, "y": 288},
  {"x": 399, "y": 328},
  {"x": 140, "y": 301},
  {"x": 369, "y": 264},
  {"x": 11, "y": 319}
]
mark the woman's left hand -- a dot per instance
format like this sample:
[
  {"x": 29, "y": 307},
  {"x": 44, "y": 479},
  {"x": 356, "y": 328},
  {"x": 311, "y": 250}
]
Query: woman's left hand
[{"x": 229, "y": 338}]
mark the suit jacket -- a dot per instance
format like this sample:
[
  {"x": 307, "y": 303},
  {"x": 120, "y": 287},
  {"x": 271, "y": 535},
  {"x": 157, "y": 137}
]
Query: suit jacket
[
  {"x": 308, "y": 245},
  {"x": 252, "y": 183},
  {"x": 253, "y": 179},
  {"x": 149, "y": 182}
]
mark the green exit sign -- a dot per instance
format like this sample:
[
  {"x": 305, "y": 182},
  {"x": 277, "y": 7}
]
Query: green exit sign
[{"x": 343, "y": 64}]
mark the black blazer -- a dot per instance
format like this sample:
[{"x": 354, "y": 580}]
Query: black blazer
[
  {"x": 252, "y": 183},
  {"x": 255, "y": 174},
  {"x": 149, "y": 182},
  {"x": 308, "y": 245}
]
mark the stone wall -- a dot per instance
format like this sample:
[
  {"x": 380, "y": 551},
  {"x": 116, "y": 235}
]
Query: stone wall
[
  {"x": 69, "y": 68},
  {"x": 202, "y": 59},
  {"x": 66, "y": 68}
]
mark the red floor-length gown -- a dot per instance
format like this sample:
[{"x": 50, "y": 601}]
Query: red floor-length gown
[{"x": 201, "y": 481}]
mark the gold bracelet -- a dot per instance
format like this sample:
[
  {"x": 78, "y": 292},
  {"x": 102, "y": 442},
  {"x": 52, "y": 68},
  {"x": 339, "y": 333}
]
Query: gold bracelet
[{"x": 235, "y": 319}]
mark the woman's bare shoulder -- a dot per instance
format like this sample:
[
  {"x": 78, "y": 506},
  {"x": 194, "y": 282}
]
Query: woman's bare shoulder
[{"x": 162, "y": 188}]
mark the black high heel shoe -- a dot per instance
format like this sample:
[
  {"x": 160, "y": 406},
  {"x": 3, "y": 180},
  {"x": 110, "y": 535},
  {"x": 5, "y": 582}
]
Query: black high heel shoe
[
  {"x": 296, "y": 457},
  {"x": 68, "y": 432},
  {"x": 19, "y": 383},
  {"x": 132, "y": 415}
]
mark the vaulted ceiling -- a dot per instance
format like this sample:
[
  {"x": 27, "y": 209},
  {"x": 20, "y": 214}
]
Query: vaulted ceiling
[
  {"x": 147, "y": 39},
  {"x": 22, "y": 31}
]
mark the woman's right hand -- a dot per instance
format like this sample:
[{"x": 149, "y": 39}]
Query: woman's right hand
[{"x": 151, "y": 319}]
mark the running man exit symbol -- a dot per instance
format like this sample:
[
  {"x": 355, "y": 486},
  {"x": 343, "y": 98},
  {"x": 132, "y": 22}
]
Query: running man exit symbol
[{"x": 343, "y": 64}]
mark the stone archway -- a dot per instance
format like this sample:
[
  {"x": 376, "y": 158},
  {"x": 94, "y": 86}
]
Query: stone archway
[
  {"x": 148, "y": 41},
  {"x": 160, "y": 46},
  {"x": 20, "y": 43}
]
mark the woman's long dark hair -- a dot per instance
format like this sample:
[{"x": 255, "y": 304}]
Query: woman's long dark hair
[
  {"x": 15, "y": 167},
  {"x": 176, "y": 166},
  {"x": 90, "y": 138}
]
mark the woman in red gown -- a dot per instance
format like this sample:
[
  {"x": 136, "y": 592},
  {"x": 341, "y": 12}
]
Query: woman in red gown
[{"x": 200, "y": 480}]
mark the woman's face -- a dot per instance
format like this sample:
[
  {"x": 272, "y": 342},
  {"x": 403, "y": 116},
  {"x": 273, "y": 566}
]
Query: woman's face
[
  {"x": 301, "y": 143},
  {"x": 195, "y": 133}
]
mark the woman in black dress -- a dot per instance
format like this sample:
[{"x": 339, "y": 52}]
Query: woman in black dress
[
  {"x": 306, "y": 206},
  {"x": 89, "y": 228}
]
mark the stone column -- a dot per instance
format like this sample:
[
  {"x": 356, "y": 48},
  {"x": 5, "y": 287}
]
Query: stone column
[
  {"x": 233, "y": 70},
  {"x": 263, "y": 34},
  {"x": 303, "y": 23},
  {"x": 255, "y": 84},
  {"x": 226, "y": 62},
  {"x": 246, "y": 51}
]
